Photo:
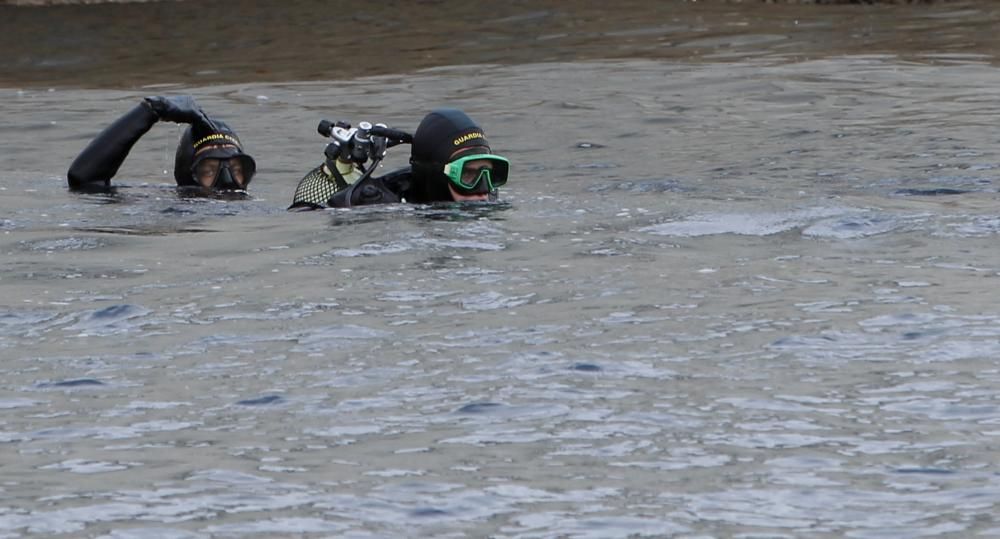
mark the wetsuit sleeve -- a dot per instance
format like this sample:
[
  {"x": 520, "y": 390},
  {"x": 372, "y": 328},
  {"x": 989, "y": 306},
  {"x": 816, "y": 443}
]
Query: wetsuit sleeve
[{"x": 100, "y": 160}]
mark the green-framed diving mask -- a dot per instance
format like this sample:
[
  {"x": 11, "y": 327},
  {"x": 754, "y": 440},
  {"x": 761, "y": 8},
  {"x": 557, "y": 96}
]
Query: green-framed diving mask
[{"x": 477, "y": 173}]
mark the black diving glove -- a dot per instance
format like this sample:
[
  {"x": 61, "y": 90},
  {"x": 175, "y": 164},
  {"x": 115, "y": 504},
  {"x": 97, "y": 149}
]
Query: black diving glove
[{"x": 180, "y": 109}]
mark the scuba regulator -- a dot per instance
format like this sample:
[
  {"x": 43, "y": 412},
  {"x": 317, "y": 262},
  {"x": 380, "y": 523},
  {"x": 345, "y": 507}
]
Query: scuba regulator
[{"x": 357, "y": 146}]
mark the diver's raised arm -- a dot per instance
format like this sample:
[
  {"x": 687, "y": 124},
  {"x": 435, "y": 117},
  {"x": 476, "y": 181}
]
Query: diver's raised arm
[{"x": 101, "y": 159}]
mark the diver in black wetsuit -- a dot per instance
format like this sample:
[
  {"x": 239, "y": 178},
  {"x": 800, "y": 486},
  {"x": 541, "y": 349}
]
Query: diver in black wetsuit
[
  {"x": 209, "y": 154},
  {"x": 450, "y": 160}
]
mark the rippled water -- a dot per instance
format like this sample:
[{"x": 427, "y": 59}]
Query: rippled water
[{"x": 744, "y": 296}]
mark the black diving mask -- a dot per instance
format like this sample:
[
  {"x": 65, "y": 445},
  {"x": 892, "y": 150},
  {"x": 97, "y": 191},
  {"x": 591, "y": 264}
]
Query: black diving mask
[{"x": 224, "y": 173}]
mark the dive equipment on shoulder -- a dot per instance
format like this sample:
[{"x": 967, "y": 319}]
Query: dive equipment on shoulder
[{"x": 345, "y": 177}]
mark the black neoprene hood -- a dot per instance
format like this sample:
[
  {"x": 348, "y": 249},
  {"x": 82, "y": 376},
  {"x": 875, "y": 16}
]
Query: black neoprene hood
[{"x": 443, "y": 132}]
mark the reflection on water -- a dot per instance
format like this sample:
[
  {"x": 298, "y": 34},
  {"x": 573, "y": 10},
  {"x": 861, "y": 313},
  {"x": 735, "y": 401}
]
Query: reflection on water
[{"x": 736, "y": 291}]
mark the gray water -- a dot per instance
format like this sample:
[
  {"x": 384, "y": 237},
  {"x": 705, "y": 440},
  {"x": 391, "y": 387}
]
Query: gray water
[{"x": 729, "y": 295}]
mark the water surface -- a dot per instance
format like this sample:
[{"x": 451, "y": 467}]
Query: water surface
[{"x": 739, "y": 293}]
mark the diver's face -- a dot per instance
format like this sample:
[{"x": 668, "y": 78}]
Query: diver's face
[
  {"x": 458, "y": 197},
  {"x": 469, "y": 174},
  {"x": 206, "y": 172}
]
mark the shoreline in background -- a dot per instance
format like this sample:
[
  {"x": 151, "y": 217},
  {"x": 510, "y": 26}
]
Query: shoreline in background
[
  {"x": 43, "y": 3},
  {"x": 133, "y": 43},
  {"x": 46, "y": 3}
]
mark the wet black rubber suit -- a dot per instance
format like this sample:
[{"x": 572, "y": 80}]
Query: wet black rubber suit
[{"x": 101, "y": 159}]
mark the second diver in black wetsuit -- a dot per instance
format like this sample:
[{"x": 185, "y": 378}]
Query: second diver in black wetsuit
[
  {"x": 450, "y": 160},
  {"x": 209, "y": 156}
]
